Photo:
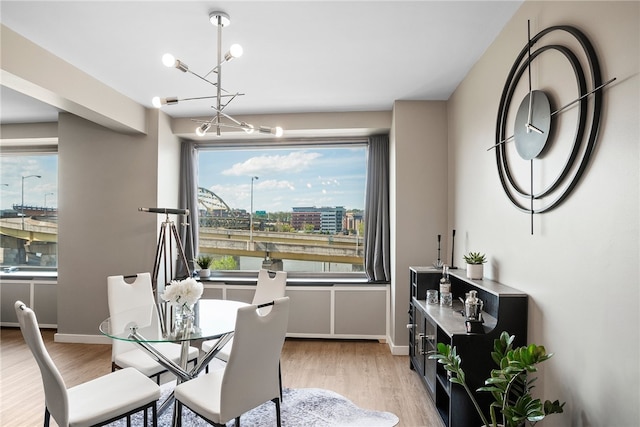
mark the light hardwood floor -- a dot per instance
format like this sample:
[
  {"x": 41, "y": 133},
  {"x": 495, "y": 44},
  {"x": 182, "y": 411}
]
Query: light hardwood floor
[{"x": 363, "y": 371}]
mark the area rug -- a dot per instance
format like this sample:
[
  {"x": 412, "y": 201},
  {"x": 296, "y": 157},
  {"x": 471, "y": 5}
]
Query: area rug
[{"x": 301, "y": 407}]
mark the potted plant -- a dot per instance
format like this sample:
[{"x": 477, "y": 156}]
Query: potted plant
[
  {"x": 510, "y": 384},
  {"x": 475, "y": 261},
  {"x": 204, "y": 262}
]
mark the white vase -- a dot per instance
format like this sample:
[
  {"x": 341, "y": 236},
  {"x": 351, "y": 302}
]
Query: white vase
[
  {"x": 475, "y": 271},
  {"x": 205, "y": 272}
]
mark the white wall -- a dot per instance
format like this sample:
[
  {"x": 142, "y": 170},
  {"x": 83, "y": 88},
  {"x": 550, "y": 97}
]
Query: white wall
[
  {"x": 418, "y": 205},
  {"x": 581, "y": 266}
]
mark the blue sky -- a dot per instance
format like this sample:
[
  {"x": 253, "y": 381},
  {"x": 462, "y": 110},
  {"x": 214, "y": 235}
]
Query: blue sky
[
  {"x": 13, "y": 168},
  {"x": 286, "y": 177}
]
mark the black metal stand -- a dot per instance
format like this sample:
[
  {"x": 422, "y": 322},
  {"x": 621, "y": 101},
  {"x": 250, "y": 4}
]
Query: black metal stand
[{"x": 164, "y": 253}]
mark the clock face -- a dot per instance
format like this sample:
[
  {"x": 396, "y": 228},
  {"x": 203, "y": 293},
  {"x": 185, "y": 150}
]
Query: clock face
[
  {"x": 531, "y": 130},
  {"x": 544, "y": 143}
]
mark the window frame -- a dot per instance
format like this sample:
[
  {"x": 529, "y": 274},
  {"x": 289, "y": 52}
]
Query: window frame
[
  {"x": 294, "y": 277},
  {"x": 33, "y": 148}
]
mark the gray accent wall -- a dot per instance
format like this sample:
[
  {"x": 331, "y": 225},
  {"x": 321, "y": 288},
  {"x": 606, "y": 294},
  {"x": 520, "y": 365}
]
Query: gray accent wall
[{"x": 104, "y": 177}]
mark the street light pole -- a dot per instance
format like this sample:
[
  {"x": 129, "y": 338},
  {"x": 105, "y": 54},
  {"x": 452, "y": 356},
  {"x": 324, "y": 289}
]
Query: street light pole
[
  {"x": 22, "y": 198},
  {"x": 251, "y": 216}
]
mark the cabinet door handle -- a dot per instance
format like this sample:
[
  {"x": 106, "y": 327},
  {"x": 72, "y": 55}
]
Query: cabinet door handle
[
  {"x": 420, "y": 344},
  {"x": 423, "y": 343}
]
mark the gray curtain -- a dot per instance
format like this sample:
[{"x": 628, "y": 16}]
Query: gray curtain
[
  {"x": 188, "y": 198},
  {"x": 377, "y": 250}
]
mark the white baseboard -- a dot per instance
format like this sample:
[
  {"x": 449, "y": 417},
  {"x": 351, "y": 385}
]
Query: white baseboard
[
  {"x": 397, "y": 350},
  {"x": 82, "y": 339}
]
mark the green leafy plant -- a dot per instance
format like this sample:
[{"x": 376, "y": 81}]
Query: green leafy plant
[
  {"x": 225, "y": 263},
  {"x": 204, "y": 261},
  {"x": 510, "y": 384},
  {"x": 474, "y": 258}
]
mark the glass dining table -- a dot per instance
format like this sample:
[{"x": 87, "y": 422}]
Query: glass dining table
[{"x": 146, "y": 325}]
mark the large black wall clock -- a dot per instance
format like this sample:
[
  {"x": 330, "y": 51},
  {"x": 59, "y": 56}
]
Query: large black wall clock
[{"x": 538, "y": 125}]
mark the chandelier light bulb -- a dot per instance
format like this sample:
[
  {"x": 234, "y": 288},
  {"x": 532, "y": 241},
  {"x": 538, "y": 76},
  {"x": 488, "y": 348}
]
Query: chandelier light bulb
[
  {"x": 155, "y": 101},
  {"x": 277, "y": 131},
  {"x": 235, "y": 51},
  {"x": 202, "y": 130},
  {"x": 168, "y": 60}
]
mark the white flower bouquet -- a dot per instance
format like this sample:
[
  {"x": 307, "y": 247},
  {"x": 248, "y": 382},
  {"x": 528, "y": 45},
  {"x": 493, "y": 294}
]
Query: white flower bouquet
[{"x": 183, "y": 292}]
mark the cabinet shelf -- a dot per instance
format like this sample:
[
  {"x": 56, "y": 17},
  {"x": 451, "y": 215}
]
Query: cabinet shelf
[{"x": 505, "y": 309}]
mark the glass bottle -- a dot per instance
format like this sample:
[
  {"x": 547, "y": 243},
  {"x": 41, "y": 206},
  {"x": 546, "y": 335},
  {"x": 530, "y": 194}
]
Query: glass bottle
[
  {"x": 445, "y": 283},
  {"x": 446, "y": 299}
]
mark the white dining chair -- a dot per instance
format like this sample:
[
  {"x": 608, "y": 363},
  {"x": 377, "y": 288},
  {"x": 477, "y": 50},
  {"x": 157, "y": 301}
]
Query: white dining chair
[
  {"x": 250, "y": 377},
  {"x": 267, "y": 289},
  {"x": 94, "y": 403},
  {"x": 123, "y": 296}
]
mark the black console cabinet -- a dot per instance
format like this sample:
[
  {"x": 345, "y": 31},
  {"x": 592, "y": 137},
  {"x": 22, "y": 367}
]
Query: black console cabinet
[{"x": 505, "y": 309}]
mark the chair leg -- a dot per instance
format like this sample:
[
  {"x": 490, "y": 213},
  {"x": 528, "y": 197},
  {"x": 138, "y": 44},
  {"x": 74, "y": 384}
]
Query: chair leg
[
  {"x": 154, "y": 414},
  {"x": 179, "y": 413},
  {"x": 237, "y": 422},
  {"x": 47, "y": 417},
  {"x": 280, "y": 378},
  {"x": 278, "y": 417}
]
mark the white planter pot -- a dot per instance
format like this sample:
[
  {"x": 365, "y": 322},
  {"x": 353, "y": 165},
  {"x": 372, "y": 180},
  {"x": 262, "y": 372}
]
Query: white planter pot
[
  {"x": 475, "y": 271},
  {"x": 205, "y": 272}
]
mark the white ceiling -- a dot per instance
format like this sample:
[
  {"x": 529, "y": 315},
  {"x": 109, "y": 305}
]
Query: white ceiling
[{"x": 299, "y": 56}]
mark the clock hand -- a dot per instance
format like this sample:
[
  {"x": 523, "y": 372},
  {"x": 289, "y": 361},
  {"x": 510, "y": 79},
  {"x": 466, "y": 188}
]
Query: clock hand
[
  {"x": 535, "y": 129},
  {"x": 501, "y": 142},
  {"x": 583, "y": 96}
]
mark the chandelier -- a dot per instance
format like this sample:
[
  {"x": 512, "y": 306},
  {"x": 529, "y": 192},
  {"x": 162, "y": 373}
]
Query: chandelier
[{"x": 222, "y": 97}]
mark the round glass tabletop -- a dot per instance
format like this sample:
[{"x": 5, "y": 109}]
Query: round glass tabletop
[{"x": 212, "y": 319}]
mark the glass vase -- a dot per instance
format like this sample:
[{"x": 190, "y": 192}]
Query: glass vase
[{"x": 183, "y": 317}]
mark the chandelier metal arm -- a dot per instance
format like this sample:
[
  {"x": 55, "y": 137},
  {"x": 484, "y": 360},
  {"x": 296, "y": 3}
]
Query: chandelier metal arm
[{"x": 219, "y": 19}]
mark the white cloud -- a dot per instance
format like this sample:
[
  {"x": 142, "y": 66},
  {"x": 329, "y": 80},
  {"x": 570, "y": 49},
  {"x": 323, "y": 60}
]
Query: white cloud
[{"x": 293, "y": 162}]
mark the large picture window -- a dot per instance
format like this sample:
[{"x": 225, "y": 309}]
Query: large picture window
[
  {"x": 298, "y": 208},
  {"x": 29, "y": 211}
]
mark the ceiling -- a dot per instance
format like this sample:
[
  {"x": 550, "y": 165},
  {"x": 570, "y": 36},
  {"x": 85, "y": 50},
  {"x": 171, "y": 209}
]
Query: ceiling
[{"x": 299, "y": 56}]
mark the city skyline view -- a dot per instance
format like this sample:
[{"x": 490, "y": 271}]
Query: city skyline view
[
  {"x": 287, "y": 178},
  {"x": 36, "y": 190}
]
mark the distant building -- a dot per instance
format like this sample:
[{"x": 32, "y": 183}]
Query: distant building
[
  {"x": 302, "y": 216},
  {"x": 324, "y": 219},
  {"x": 352, "y": 220}
]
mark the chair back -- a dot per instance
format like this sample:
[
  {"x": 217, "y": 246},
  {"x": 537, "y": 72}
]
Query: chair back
[
  {"x": 123, "y": 296},
  {"x": 55, "y": 391},
  {"x": 251, "y": 374},
  {"x": 269, "y": 288}
]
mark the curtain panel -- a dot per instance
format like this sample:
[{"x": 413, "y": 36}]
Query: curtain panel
[
  {"x": 377, "y": 250},
  {"x": 188, "y": 199}
]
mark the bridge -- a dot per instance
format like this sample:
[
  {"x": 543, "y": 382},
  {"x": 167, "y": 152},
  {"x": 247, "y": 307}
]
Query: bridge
[
  {"x": 223, "y": 231},
  {"x": 220, "y": 241},
  {"x": 282, "y": 245}
]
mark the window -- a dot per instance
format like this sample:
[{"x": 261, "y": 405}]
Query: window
[
  {"x": 297, "y": 208},
  {"x": 28, "y": 210}
]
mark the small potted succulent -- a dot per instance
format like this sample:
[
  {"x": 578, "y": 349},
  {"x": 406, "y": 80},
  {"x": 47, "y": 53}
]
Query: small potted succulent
[
  {"x": 475, "y": 267},
  {"x": 204, "y": 262},
  {"x": 510, "y": 384}
]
